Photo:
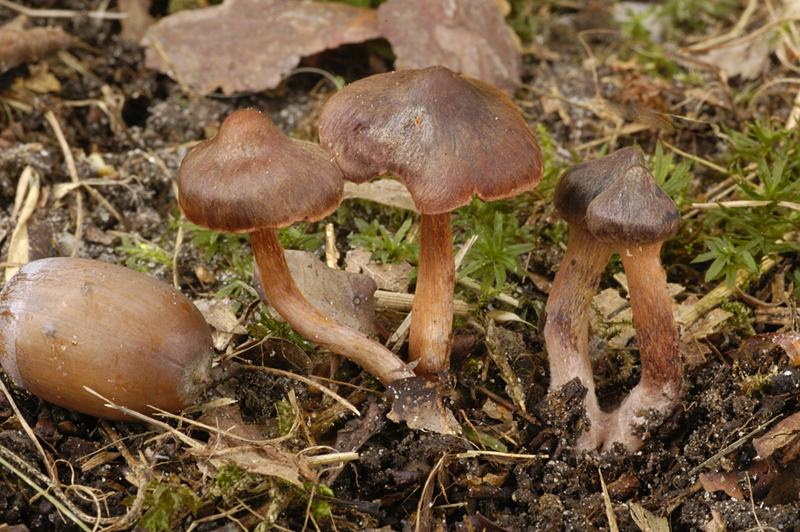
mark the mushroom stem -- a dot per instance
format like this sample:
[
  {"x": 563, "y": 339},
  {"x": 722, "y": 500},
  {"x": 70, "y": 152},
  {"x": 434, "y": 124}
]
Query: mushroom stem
[
  {"x": 306, "y": 320},
  {"x": 566, "y": 328},
  {"x": 432, "y": 311},
  {"x": 656, "y": 333}
]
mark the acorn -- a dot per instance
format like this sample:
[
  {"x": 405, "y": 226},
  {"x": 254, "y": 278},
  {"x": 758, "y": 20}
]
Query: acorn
[{"x": 68, "y": 323}]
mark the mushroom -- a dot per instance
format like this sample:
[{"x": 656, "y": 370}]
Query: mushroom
[
  {"x": 636, "y": 216},
  {"x": 250, "y": 178},
  {"x": 68, "y": 323},
  {"x": 446, "y": 137},
  {"x": 614, "y": 204},
  {"x": 566, "y": 328}
]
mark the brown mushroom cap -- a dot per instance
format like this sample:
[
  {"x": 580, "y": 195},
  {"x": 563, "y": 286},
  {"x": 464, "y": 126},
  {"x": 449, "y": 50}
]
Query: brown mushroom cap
[
  {"x": 250, "y": 176},
  {"x": 446, "y": 136},
  {"x": 633, "y": 209},
  {"x": 582, "y": 183}
]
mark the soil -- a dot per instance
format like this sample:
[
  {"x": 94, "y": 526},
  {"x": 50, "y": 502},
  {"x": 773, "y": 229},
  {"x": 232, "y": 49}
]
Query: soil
[{"x": 151, "y": 124}]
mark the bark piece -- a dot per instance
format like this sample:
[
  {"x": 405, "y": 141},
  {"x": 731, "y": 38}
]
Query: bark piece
[
  {"x": 248, "y": 45},
  {"x": 468, "y": 36}
]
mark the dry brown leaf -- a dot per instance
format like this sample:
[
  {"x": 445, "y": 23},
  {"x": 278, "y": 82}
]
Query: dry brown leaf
[
  {"x": 139, "y": 18},
  {"x": 249, "y": 45},
  {"x": 258, "y": 458},
  {"x": 467, "y": 36},
  {"x": 41, "y": 80},
  {"x": 734, "y": 483},
  {"x": 220, "y": 316},
  {"x": 390, "y": 277},
  {"x": 389, "y": 192},
  {"x": 783, "y": 437},
  {"x": 418, "y": 402},
  {"x": 788, "y": 342},
  {"x": 347, "y": 298},
  {"x": 646, "y": 521},
  {"x": 744, "y": 59}
]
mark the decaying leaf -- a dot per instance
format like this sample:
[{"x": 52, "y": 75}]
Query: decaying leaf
[
  {"x": 249, "y": 45},
  {"x": 238, "y": 443},
  {"x": 389, "y": 192},
  {"x": 693, "y": 348},
  {"x": 390, "y": 277},
  {"x": 735, "y": 483},
  {"x": 744, "y": 59},
  {"x": 348, "y": 298},
  {"x": 220, "y": 316},
  {"x": 783, "y": 438},
  {"x": 646, "y": 521},
  {"x": 18, "y": 45},
  {"x": 418, "y": 402},
  {"x": 139, "y": 18},
  {"x": 467, "y": 36},
  {"x": 764, "y": 343}
]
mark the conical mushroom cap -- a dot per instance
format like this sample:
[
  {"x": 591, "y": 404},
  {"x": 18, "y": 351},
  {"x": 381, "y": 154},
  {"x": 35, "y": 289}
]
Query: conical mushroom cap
[
  {"x": 446, "y": 136},
  {"x": 634, "y": 209},
  {"x": 250, "y": 176},
  {"x": 582, "y": 183}
]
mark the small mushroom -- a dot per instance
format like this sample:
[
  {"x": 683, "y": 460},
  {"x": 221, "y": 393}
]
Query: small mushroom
[
  {"x": 68, "y": 323},
  {"x": 614, "y": 204},
  {"x": 636, "y": 216},
  {"x": 250, "y": 178},
  {"x": 566, "y": 329},
  {"x": 446, "y": 137}
]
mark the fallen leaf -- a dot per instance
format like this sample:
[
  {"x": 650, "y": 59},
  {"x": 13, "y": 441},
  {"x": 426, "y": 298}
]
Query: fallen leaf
[
  {"x": 764, "y": 343},
  {"x": 390, "y": 277},
  {"x": 783, "y": 437},
  {"x": 223, "y": 321},
  {"x": 138, "y": 21},
  {"x": 646, "y": 521},
  {"x": 41, "y": 80},
  {"x": 389, "y": 192},
  {"x": 419, "y": 403},
  {"x": 249, "y": 45},
  {"x": 347, "y": 298},
  {"x": 468, "y": 36},
  {"x": 734, "y": 483},
  {"x": 717, "y": 523},
  {"x": 745, "y": 59},
  {"x": 251, "y": 455},
  {"x": 355, "y": 259}
]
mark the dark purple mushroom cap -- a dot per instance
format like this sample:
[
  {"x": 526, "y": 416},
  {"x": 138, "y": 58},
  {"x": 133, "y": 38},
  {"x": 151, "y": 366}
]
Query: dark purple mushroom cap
[
  {"x": 582, "y": 183},
  {"x": 250, "y": 176},
  {"x": 634, "y": 209},
  {"x": 446, "y": 136}
]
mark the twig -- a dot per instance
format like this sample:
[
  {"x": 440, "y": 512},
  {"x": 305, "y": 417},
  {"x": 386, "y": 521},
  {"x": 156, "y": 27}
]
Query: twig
[
  {"x": 695, "y": 158},
  {"x": 178, "y": 244},
  {"x": 744, "y": 203},
  {"x": 61, "y": 13},
  {"x": 749, "y": 37},
  {"x": 73, "y": 174},
  {"x": 688, "y": 316},
  {"x": 741, "y": 24}
]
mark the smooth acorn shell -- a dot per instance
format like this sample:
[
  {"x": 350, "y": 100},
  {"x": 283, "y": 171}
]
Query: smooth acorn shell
[{"x": 68, "y": 323}]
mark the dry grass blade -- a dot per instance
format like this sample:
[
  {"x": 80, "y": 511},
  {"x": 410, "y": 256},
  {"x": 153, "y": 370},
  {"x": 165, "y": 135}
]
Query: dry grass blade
[
  {"x": 688, "y": 316},
  {"x": 612, "y": 519},
  {"x": 743, "y": 203},
  {"x": 646, "y": 521},
  {"x": 18, "y": 248},
  {"x": 73, "y": 174}
]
